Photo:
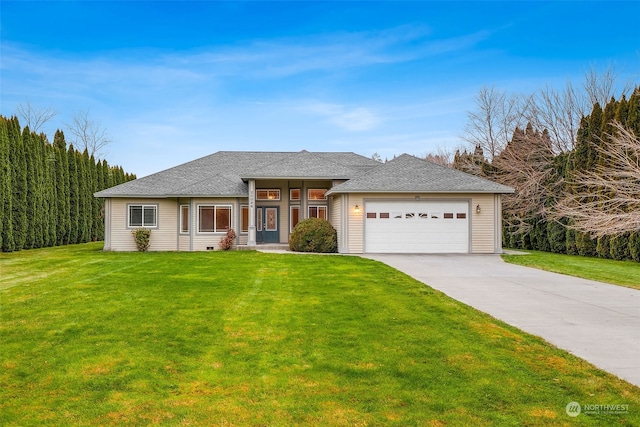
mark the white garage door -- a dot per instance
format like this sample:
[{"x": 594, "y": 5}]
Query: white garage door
[{"x": 417, "y": 227}]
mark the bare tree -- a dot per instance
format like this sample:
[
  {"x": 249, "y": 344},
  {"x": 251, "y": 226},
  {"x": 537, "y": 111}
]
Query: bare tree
[
  {"x": 442, "y": 156},
  {"x": 606, "y": 200},
  {"x": 601, "y": 86},
  {"x": 493, "y": 122},
  {"x": 88, "y": 134},
  {"x": 34, "y": 118},
  {"x": 560, "y": 114},
  {"x": 526, "y": 164}
]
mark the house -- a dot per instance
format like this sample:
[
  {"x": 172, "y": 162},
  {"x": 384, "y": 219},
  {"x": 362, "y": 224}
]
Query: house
[{"x": 406, "y": 205}]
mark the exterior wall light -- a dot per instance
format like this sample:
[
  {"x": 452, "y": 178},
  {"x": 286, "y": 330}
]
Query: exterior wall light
[
  {"x": 356, "y": 209},
  {"x": 478, "y": 209}
]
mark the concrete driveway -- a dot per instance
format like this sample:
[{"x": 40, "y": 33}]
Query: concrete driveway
[{"x": 595, "y": 321}]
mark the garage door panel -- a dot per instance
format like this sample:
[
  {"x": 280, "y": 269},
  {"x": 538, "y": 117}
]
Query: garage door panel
[{"x": 417, "y": 227}]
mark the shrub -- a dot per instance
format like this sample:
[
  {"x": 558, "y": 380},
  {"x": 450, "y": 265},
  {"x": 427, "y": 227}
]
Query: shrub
[
  {"x": 572, "y": 249},
  {"x": 634, "y": 246},
  {"x": 557, "y": 235},
  {"x": 603, "y": 247},
  {"x": 619, "y": 246},
  {"x": 314, "y": 235},
  {"x": 142, "y": 237},
  {"x": 227, "y": 241},
  {"x": 585, "y": 245}
]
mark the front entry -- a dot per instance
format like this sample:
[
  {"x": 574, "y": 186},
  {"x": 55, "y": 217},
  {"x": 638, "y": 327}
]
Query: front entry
[{"x": 267, "y": 225}]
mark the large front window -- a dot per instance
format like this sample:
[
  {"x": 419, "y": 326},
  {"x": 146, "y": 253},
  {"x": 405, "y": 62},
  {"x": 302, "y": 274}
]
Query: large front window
[
  {"x": 214, "y": 218},
  {"x": 143, "y": 216}
]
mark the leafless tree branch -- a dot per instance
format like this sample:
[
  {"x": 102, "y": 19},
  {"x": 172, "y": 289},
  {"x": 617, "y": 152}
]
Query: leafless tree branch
[
  {"x": 606, "y": 200},
  {"x": 34, "y": 118},
  {"x": 88, "y": 134}
]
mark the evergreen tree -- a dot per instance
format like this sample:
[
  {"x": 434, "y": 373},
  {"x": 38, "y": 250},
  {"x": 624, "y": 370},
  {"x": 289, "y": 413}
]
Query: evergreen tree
[
  {"x": 6, "y": 214},
  {"x": 18, "y": 165},
  {"x": 74, "y": 195},
  {"x": 62, "y": 189}
]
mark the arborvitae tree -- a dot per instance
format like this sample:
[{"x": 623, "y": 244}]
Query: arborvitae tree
[
  {"x": 603, "y": 247},
  {"x": 95, "y": 202},
  {"x": 595, "y": 132},
  {"x": 18, "y": 164},
  {"x": 86, "y": 198},
  {"x": 74, "y": 195},
  {"x": 619, "y": 247},
  {"x": 62, "y": 189},
  {"x": 6, "y": 214},
  {"x": 33, "y": 220},
  {"x": 51, "y": 194}
]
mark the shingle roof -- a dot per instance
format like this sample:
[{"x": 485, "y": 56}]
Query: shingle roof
[
  {"x": 222, "y": 173},
  {"x": 410, "y": 174}
]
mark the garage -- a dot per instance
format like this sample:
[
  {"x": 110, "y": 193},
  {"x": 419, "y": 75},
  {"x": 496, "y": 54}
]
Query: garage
[{"x": 417, "y": 226}]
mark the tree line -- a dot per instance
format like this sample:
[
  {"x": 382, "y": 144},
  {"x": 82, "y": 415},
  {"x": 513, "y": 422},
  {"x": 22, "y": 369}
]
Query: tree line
[
  {"x": 46, "y": 190},
  {"x": 577, "y": 186}
]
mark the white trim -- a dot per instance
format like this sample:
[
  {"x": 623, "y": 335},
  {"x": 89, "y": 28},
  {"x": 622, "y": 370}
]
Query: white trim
[
  {"x": 269, "y": 190},
  {"x": 180, "y": 218},
  {"x": 291, "y": 190},
  {"x": 215, "y": 225},
  {"x": 309, "y": 190},
  {"x": 143, "y": 206},
  {"x": 291, "y": 208}
]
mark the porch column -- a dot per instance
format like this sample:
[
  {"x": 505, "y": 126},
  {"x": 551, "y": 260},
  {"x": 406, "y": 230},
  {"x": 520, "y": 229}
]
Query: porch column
[{"x": 252, "y": 213}]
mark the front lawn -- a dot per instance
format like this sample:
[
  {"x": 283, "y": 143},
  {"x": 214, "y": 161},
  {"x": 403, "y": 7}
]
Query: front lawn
[
  {"x": 245, "y": 338},
  {"x": 625, "y": 273}
]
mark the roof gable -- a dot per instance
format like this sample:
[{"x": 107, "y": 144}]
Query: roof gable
[
  {"x": 303, "y": 165},
  {"x": 410, "y": 174}
]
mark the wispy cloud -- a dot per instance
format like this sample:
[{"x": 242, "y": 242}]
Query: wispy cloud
[{"x": 353, "y": 119}]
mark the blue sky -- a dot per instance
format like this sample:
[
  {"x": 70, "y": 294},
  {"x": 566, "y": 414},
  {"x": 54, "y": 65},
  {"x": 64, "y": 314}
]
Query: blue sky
[{"x": 174, "y": 81}]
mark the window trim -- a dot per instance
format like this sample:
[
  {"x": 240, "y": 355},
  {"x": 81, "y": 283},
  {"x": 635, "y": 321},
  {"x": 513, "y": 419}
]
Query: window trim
[
  {"x": 318, "y": 207},
  {"x": 215, "y": 218},
  {"x": 269, "y": 190},
  {"x": 291, "y": 198},
  {"x": 291, "y": 208},
  {"x": 242, "y": 208},
  {"x": 182, "y": 230},
  {"x": 310, "y": 199},
  {"x": 143, "y": 206}
]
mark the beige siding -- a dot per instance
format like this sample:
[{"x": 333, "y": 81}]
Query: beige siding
[
  {"x": 355, "y": 231},
  {"x": 483, "y": 231},
  {"x": 163, "y": 238},
  {"x": 183, "y": 243},
  {"x": 202, "y": 241},
  {"x": 335, "y": 216}
]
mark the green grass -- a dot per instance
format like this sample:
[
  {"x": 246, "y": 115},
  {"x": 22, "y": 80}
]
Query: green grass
[
  {"x": 625, "y": 273},
  {"x": 244, "y": 338}
]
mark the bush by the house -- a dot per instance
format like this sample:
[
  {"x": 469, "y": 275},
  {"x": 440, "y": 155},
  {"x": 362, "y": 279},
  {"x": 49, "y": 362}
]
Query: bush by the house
[
  {"x": 142, "y": 237},
  {"x": 226, "y": 242},
  {"x": 314, "y": 235}
]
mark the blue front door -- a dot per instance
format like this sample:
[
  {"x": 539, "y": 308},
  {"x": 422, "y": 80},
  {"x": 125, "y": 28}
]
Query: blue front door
[{"x": 267, "y": 225}]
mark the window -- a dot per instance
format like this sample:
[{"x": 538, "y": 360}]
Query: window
[
  {"x": 409, "y": 215},
  {"x": 448, "y": 215},
  {"x": 143, "y": 216},
  {"x": 244, "y": 220},
  {"x": 295, "y": 216},
  {"x": 184, "y": 219},
  {"x": 371, "y": 215},
  {"x": 317, "y": 194},
  {"x": 318, "y": 212},
  {"x": 214, "y": 219},
  {"x": 423, "y": 215},
  {"x": 294, "y": 194},
  {"x": 268, "y": 194},
  {"x": 384, "y": 215},
  {"x": 461, "y": 215}
]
